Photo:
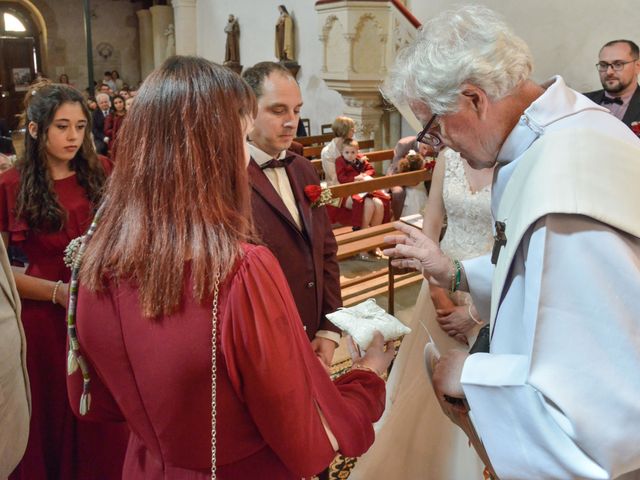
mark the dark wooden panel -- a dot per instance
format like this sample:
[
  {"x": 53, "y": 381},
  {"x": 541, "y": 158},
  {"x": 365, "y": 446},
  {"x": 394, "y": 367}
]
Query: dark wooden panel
[{"x": 14, "y": 53}]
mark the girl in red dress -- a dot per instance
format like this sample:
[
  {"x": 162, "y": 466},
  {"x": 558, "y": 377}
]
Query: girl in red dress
[
  {"x": 45, "y": 201},
  {"x": 113, "y": 122},
  {"x": 175, "y": 230},
  {"x": 368, "y": 209}
]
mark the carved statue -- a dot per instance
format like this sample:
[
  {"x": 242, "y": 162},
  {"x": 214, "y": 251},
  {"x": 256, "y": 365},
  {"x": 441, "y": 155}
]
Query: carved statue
[
  {"x": 284, "y": 36},
  {"x": 232, "y": 46},
  {"x": 171, "y": 40}
]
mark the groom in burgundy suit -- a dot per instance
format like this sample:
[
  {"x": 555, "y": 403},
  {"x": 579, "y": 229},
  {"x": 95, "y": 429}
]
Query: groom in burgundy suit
[{"x": 298, "y": 235}]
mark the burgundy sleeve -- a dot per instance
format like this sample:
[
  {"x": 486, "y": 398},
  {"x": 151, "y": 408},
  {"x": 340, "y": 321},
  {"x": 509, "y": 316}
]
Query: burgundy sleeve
[
  {"x": 108, "y": 126},
  {"x": 103, "y": 406},
  {"x": 274, "y": 370},
  {"x": 368, "y": 169}
]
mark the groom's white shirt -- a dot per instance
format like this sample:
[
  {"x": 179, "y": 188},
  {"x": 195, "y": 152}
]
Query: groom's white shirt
[{"x": 558, "y": 397}]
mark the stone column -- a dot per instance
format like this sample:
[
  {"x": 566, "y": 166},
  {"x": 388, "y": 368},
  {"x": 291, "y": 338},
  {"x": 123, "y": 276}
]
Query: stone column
[
  {"x": 184, "y": 12},
  {"x": 161, "y": 18},
  {"x": 365, "y": 107},
  {"x": 145, "y": 31}
]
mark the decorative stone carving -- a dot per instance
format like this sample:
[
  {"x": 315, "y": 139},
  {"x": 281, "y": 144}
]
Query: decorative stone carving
[
  {"x": 401, "y": 36},
  {"x": 170, "y": 33},
  {"x": 359, "y": 42}
]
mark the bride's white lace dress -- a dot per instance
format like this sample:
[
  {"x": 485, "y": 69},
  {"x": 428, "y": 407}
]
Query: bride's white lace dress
[{"x": 414, "y": 439}]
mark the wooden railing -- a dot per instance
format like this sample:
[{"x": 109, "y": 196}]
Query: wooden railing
[
  {"x": 315, "y": 150},
  {"x": 373, "y": 157},
  {"x": 380, "y": 183},
  {"x": 314, "y": 139},
  {"x": 387, "y": 279}
]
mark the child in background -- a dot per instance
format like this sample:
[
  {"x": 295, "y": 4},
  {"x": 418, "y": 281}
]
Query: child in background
[{"x": 368, "y": 209}]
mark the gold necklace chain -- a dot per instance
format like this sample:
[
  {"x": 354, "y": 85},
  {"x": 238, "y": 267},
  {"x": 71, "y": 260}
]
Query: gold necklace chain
[{"x": 214, "y": 348}]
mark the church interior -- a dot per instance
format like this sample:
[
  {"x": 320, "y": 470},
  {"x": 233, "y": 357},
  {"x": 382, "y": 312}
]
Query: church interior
[{"x": 340, "y": 53}]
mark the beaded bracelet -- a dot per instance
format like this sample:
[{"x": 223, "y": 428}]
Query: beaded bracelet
[
  {"x": 456, "y": 276},
  {"x": 55, "y": 291}
]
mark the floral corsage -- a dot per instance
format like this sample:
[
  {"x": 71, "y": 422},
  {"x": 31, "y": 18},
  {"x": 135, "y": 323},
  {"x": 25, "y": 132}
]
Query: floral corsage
[
  {"x": 318, "y": 195},
  {"x": 635, "y": 128}
]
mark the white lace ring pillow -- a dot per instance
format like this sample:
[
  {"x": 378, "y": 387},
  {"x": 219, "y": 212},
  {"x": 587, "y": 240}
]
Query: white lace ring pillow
[{"x": 361, "y": 322}]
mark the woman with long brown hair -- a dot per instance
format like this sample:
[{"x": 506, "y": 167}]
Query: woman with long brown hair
[
  {"x": 189, "y": 326},
  {"x": 47, "y": 200}
]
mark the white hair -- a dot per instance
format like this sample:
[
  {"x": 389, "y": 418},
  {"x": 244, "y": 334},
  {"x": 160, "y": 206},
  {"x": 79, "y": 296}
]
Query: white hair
[
  {"x": 471, "y": 44},
  {"x": 102, "y": 95}
]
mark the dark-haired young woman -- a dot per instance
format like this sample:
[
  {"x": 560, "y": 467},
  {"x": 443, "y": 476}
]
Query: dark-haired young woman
[
  {"x": 171, "y": 267},
  {"x": 114, "y": 120},
  {"x": 47, "y": 200}
]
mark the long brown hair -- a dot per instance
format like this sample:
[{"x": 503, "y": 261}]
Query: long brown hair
[
  {"x": 37, "y": 202},
  {"x": 179, "y": 191}
]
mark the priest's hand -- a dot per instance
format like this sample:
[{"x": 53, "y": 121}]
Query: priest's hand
[
  {"x": 324, "y": 349},
  {"x": 416, "y": 250}
]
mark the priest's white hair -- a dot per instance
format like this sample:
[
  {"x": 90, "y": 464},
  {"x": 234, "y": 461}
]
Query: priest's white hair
[{"x": 471, "y": 44}]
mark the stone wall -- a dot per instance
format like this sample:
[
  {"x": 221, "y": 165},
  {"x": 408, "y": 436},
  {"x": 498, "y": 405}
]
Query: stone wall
[
  {"x": 114, "y": 23},
  {"x": 564, "y": 37},
  {"x": 257, "y": 43}
]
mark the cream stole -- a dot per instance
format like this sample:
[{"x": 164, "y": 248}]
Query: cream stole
[{"x": 576, "y": 171}]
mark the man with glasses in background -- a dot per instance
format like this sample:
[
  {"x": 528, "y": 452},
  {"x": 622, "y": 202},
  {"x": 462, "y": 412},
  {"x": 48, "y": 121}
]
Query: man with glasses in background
[{"x": 618, "y": 67}]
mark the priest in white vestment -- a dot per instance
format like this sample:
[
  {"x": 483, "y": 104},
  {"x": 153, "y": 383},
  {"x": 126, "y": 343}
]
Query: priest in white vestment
[{"x": 558, "y": 394}]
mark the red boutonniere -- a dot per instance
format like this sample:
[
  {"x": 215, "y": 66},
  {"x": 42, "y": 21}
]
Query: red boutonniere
[
  {"x": 429, "y": 164},
  {"x": 635, "y": 128},
  {"x": 318, "y": 195}
]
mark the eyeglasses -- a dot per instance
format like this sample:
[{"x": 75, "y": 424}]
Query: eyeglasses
[
  {"x": 427, "y": 138},
  {"x": 617, "y": 65}
]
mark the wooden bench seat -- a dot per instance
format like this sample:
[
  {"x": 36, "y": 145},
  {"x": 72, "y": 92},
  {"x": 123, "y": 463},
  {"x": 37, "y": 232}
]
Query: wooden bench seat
[
  {"x": 378, "y": 286},
  {"x": 314, "y": 139},
  {"x": 374, "y": 157},
  {"x": 315, "y": 150},
  {"x": 355, "y": 290},
  {"x": 380, "y": 183}
]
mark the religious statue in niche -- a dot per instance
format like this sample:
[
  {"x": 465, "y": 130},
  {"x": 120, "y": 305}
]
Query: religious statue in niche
[
  {"x": 170, "y": 33},
  {"x": 285, "y": 45},
  {"x": 232, "y": 45},
  {"x": 284, "y": 36}
]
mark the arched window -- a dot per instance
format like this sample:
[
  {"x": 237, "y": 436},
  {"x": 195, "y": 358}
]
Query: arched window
[
  {"x": 12, "y": 23},
  {"x": 19, "y": 57}
]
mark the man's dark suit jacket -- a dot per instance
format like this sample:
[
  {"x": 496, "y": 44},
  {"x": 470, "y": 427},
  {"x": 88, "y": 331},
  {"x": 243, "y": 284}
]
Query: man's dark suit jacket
[
  {"x": 307, "y": 256},
  {"x": 97, "y": 127},
  {"x": 633, "y": 110}
]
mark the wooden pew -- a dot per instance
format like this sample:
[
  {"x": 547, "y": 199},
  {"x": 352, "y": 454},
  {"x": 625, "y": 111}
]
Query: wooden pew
[
  {"x": 314, "y": 139},
  {"x": 356, "y": 290},
  {"x": 380, "y": 183},
  {"x": 315, "y": 150},
  {"x": 374, "y": 157},
  {"x": 351, "y": 243}
]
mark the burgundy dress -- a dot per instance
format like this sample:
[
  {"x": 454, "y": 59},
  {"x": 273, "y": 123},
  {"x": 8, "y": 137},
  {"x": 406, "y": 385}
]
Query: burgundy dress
[
  {"x": 269, "y": 381},
  {"x": 112, "y": 126},
  {"x": 60, "y": 446},
  {"x": 346, "y": 173}
]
